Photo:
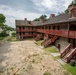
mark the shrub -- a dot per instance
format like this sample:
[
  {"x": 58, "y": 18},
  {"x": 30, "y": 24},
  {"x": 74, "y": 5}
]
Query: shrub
[
  {"x": 4, "y": 33},
  {"x": 13, "y": 34}
]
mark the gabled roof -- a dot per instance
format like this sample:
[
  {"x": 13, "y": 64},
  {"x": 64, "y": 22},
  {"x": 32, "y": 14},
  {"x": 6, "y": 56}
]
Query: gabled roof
[
  {"x": 57, "y": 19},
  {"x": 21, "y": 23},
  {"x": 35, "y": 23},
  {"x": 26, "y": 23}
]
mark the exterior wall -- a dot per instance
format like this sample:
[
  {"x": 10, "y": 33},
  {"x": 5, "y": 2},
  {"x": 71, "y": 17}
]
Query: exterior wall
[
  {"x": 73, "y": 41},
  {"x": 25, "y": 32},
  {"x": 63, "y": 42},
  {"x": 62, "y": 31}
]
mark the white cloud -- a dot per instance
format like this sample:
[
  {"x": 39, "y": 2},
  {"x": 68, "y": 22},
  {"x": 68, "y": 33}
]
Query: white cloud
[
  {"x": 45, "y": 3},
  {"x": 48, "y": 3},
  {"x": 12, "y": 14},
  {"x": 10, "y": 21},
  {"x": 43, "y": 6},
  {"x": 53, "y": 5},
  {"x": 67, "y": 2}
]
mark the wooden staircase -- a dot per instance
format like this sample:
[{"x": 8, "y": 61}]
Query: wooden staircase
[
  {"x": 65, "y": 51},
  {"x": 44, "y": 42},
  {"x": 50, "y": 41},
  {"x": 67, "y": 54},
  {"x": 38, "y": 37},
  {"x": 70, "y": 55}
]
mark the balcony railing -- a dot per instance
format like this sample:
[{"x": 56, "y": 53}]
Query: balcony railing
[
  {"x": 26, "y": 30},
  {"x": 63, "y": 33},
  {"x": 72, "y": 34},
  {"x": 28, "y": 35}
]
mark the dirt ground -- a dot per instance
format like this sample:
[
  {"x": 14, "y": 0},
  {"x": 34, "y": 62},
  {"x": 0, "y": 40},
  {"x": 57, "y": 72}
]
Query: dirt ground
[{"x": 26, "y": 58}]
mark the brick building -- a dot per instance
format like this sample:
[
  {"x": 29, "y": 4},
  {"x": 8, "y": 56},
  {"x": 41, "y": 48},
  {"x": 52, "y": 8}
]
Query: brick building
[{"x": 59, "y": 30}]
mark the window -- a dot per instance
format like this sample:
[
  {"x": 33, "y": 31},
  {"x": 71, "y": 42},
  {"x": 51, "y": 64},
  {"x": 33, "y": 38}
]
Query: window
[
  {"x": 53, "y": 27},
  {"x": 49, "y": 27},
  {"x": 23, "y": 28},
  {"x": 58, "y": 27},
  {"x": 19, "y": 27},
  {"x": 29, "y": 22}
]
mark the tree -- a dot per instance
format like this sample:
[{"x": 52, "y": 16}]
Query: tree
[
  {"x": 41, "y": 17},
  {"x": 67, "y": 11},
  {"x": 7, "y": 28},
  {"x": 14, "y": 34},
  {"x": 59, "y": 13},
  {"x": 1, "y": 24},
  {"x": 4, "y": 33},
  {"x": 4, "y": 27},
  {"x": 2, "y": 20},
  {"x": 37, "y": 19}
]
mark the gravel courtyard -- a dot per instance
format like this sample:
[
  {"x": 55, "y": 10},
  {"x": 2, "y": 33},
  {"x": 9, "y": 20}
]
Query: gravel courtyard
[{"x": 26, "y": 58}]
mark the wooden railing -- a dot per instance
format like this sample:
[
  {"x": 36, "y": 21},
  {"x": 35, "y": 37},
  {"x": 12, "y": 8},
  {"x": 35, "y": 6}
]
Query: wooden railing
[
  {"x": 26, "y": 30},
  {"x": 50, "y": 41},
  {"x": 70, "y": 55},
  {"x": 38, "y": 37},
  {"x": 72, "y": 34},
  {"x": 63, "y": 33},
  {"x": 65, "y": 51}
]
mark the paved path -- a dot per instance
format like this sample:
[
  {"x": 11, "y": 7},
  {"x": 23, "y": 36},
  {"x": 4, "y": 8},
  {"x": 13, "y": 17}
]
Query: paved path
[{"x": 26, "y": 58}]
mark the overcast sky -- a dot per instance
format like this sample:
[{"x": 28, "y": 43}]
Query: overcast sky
[{"x": 30, "y": 9}]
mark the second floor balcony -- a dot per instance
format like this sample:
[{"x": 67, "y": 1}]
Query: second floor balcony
[
  {"x": 26, "y": 30},
  {"x": 63, "y": 33}
]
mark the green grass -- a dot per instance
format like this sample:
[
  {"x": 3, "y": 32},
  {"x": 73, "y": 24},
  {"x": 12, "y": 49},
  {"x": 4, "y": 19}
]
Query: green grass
[
  {"x": 1, "y": 38},
  {"x": 39, "y": 42},
  {"x": 47, "y": 73},
  {"x": 70, "y": 68},
  {"x": 51, "y": 49},
  {"x": 57, "y": 57},
  {"x": 11, "y": 39}
]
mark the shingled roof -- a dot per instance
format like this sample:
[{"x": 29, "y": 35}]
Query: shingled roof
[
  {"x": 26, "y": 23},
  {"x": 57, "y": 19}
]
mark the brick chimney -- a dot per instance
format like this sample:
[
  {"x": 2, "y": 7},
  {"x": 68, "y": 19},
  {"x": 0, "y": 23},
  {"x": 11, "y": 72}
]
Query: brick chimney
[
  {"x": 52, "y": 16},
  {"x": 25, "y": 19},
  {"x": 72, "y": 10}
]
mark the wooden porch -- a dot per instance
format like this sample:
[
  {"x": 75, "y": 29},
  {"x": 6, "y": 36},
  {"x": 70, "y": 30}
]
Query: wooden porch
[
  {"x": 26, "y": 30},
  {"x": 63, "y": 33}
]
